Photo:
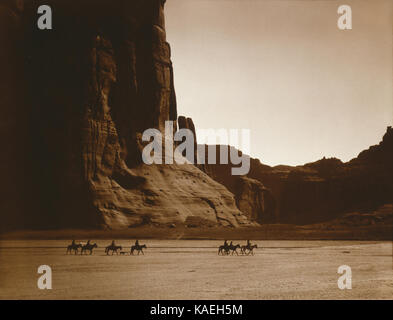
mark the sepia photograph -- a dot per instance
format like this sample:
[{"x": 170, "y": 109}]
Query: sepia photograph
[{"x": 196, "y": 150}]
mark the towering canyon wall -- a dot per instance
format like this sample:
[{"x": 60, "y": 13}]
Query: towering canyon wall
[
  {"x": 74, "y": 102},
  {"x": 14, "y": 118},
  {"x": 93, "y": 84}
]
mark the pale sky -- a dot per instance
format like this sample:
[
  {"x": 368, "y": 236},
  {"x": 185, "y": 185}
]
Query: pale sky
[{"x": 285, "y": 71}]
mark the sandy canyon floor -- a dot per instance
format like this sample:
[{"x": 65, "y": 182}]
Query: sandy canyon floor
[{"x": 191, "y": 269}]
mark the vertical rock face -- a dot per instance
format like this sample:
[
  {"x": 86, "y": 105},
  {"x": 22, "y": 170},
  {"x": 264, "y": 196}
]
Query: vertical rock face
[
  {"x": 187, "y": 123},
  {"x": 253, "y": 199},
  {"x": 13, "y": 119},
  {"x": 94, "y": 83}
]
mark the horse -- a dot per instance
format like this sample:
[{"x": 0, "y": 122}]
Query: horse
[
  {"x": 88, "y": 247},
  {"x": 73, "y": 246},
  {"x": 113, "y": 248},
  {"x": 223, "y": 250},
  {"x": 243, "y": 249},
  {"x": 233, "y": 248},
  {"x": 250, "y": 249},
  {"x": 139, "y": 248}
]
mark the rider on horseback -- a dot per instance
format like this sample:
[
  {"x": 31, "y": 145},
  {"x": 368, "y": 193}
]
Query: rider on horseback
[
  {"x": 137, "y": 243},
  {"x": 248, "y": 244},
  {"x": 226, "y": 244}
]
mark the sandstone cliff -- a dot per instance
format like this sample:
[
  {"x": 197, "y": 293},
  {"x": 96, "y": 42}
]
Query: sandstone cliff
[
  {"x": 74, "y": 102},
  {"x": 94, "y": 83},
  {"x": 252, "y": 197},
  {"x": 14, "y": 127},
  {"x": 327, "y": 188},
  {"x": 315, "y": 192}
]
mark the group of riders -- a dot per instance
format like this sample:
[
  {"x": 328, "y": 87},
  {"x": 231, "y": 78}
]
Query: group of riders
[
  {"x": 87, "y": 248},
  {"x": 231, "y": 248},
  {"x": 112, "y": 248}
]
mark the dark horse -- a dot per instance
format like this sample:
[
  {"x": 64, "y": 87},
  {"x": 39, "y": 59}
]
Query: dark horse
[
  {"x": 223, "y": 250},
  {"x": 73, "y": 247},
  {"x": 234, "y": 248},
  {"x": 88, "y": 247},
  {"x": 113, "y": 248},
  {"x": 226, "y": 249},
  {"x": 250, "y": 249},
  {"x": 138, "y": 248}
]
